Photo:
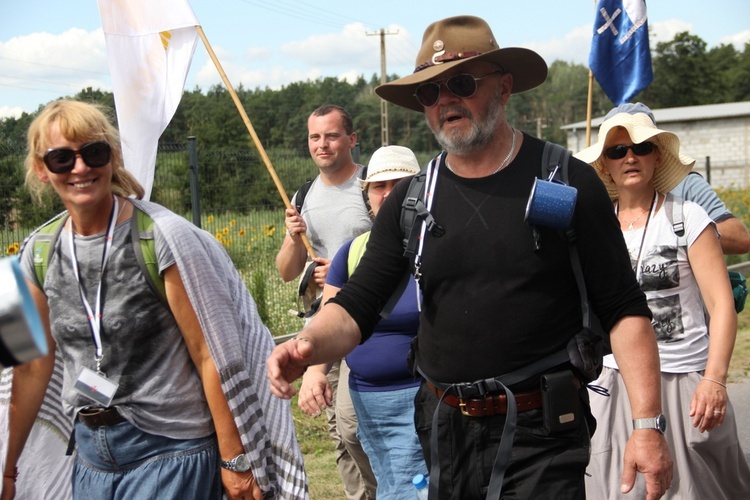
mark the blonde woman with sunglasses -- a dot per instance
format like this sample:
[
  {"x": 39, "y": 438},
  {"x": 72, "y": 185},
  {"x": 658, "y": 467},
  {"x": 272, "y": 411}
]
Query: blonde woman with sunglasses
[
  {"x": 681, "y": 277},
  {"x": 162, "y": 392}
]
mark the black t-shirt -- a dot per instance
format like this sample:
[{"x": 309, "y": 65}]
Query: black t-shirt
[{"x": 492, "y": 304}]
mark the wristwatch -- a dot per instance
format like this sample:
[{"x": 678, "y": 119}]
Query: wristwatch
[
  {"x": 240, "y": 463},
  {"x": 659, "y": 423}
]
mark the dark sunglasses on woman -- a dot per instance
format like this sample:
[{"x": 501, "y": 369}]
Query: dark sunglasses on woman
[
  {"x": 62, "y": 160},
  {"x": 619, "y": 151},
  {"x": 463, "y": 86}
]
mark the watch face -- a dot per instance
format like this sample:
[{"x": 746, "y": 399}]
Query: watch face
[
  {"x": 661, "y": 423},
  {"x": 241, "y": 463}
]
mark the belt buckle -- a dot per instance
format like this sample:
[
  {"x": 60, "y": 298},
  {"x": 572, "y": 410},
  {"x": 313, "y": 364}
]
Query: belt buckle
[
  {"x": 462, "y": 405},
  {"x": 90, "y": 411}
]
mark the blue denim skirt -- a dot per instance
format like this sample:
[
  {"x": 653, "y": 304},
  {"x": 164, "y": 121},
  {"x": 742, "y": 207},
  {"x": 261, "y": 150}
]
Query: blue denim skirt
[{"x": 123, "y": 462}]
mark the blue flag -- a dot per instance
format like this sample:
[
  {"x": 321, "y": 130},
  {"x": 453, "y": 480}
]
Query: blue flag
[{"x": 620, "y": 57}]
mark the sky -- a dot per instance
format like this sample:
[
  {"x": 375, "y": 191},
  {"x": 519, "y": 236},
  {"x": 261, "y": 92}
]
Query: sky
[{"x": 55, "y": 48}]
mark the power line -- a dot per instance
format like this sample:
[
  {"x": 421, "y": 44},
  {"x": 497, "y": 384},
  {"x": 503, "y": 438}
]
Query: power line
[{"x": 69, "y": 68}]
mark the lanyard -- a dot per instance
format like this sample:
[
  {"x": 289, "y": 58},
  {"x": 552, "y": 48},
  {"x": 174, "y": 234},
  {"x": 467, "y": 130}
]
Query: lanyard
[
  {"x": 638, "y": 267},
  {"x": 95, "y": 316}
]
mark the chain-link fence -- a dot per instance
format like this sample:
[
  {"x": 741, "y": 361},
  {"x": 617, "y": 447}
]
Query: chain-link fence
[{"x": 231, "y": 195}]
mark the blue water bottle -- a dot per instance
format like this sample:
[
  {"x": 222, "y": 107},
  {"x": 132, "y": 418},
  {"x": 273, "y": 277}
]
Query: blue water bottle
[{"x": 420, "y": 483}]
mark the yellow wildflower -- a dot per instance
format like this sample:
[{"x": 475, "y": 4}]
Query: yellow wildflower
[{"x": 12, "y": 248}]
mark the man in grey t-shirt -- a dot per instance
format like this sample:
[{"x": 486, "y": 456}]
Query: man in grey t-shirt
[{"x": 332, "y": 214}]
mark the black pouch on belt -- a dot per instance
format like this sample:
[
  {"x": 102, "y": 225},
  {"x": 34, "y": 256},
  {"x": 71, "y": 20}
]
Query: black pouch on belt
[{"x": 561, "y": 403}]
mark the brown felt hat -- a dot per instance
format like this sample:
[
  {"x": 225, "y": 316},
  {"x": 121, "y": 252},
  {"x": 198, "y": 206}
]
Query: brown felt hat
[{"x": 456, "y": 41}]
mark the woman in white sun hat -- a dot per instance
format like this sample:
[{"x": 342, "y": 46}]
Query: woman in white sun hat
[
  {"x": 381, "y": 386},
  {"x": 682, "y": 271}
]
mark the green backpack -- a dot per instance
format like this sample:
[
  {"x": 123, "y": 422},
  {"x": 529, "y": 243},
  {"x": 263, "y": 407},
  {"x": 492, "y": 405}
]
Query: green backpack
[{"x": 142, "y": 230}]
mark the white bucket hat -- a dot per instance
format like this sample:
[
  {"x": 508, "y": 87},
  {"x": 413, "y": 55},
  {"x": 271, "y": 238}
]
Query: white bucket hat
[
  {"x": 638, "y": 121},
  {"x": 391, "y": 162}
]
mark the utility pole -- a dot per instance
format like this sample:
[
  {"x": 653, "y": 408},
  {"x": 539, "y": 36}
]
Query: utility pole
[{"x": 383, "y": 79}]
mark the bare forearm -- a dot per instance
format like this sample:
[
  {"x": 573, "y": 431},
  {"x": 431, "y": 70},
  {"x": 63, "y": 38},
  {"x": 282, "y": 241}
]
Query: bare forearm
[
  {"x": 637, "y": 356},
  {"x": 722, "y": 336},
  {"x": 735, "y": 239},
  {"x": 333, "y": 334},
  {"x": 290, "y": 261},
  {"x": 230, "y": 444}
]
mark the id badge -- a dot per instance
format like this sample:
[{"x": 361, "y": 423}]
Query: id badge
[{"x": 96, "y": 386}]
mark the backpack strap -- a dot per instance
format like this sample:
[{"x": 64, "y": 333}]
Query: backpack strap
[
  {"x": 356, "y": 250},
  {"x": 44, "y": 239},
  {"x": 142, "y": 234},
  {"x": 555, "y": 159},
  {"x": 142, "y": 230},
  {"x": 673, "y": 211},
  {"x": 299, "y": 196},
  {"x": 413, "y": 208},
  {"x": 365, "y": 197}
]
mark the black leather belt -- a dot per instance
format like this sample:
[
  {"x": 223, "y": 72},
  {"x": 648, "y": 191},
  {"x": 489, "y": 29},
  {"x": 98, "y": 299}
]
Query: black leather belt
[{"x": 100, "y": 417}]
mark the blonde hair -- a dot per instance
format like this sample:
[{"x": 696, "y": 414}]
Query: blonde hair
[{"x": 78, "y": 122}]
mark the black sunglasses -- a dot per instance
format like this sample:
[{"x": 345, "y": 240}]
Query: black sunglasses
[
  {"x": 463, "y": 86},
  {"x": 62, "y": 160},
  {"x": 619, "y": 151}
]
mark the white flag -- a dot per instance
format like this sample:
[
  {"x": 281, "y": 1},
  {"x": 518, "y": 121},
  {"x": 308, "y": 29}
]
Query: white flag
[{"x": 150, "y": 44}]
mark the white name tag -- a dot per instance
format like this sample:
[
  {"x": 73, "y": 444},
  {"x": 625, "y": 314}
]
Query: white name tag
[{"x": 96, "y": 386}]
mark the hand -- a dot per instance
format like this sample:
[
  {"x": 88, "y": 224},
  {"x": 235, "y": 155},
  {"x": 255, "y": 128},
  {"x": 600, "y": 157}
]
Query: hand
[
  {"x": 709, "y": 405},
  {"x": 321, "y": 271},
  {"x": 315, "y": 395},
  {"x": 295, "y": 224},
  {"x": 287, "y": 363},
  {"x": 240, "y": 485},
  {"x": 647, "y": 452}
]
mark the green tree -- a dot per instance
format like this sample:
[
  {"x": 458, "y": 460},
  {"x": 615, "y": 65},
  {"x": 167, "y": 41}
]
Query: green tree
[
  {"x": 682, "y": 74},
  {"x": 739, "y": 77}
]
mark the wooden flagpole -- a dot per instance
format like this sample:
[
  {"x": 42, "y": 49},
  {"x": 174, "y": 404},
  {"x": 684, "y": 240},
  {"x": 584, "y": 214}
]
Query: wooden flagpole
[
  {"x": 590, "y": 98},
  {"x": 589, "y": 106},
  {"x": 254, "y": 136}
]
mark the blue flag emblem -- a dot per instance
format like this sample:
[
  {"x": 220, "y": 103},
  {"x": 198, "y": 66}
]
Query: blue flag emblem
[{"x": 620, "y": 58}]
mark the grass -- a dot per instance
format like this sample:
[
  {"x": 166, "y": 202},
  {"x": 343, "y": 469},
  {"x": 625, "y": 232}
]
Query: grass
[{"x": 320, "y": 454}]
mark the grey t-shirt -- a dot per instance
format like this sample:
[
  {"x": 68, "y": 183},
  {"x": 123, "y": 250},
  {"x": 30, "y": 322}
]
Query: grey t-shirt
[
  {"x": 334, "y": 215},
  {"x": 695, "y": 188},
  {"x": 159, "y": 389}
]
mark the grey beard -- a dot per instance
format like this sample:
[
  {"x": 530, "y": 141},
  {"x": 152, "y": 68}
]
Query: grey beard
[{"x": 479, "y": 137}]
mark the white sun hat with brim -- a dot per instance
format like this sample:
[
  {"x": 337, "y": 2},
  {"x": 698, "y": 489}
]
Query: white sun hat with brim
[
  {"x": 672, "y": 167},
  {"x": 391, "y": 162}
]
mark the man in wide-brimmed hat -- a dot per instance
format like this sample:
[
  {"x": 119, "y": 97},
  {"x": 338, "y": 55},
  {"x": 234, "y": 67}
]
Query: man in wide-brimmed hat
[{"x": 500, "y": 297}]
